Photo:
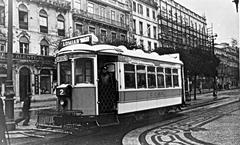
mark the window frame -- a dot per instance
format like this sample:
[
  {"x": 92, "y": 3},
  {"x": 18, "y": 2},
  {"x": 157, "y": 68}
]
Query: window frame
[
  {"x": 133, "y": 72},
  {"x": 60, "y": 19},
  {"x": 23, "y": 17},
  {"x": 83, "y": 63},
  {"x": 43, "y": 15}
]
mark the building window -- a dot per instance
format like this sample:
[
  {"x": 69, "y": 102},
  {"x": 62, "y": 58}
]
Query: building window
[
  {"x": 141, "y": 42},
  {"x": 43, "y": 21},
  {"x": 147, "y": 10},
  {"x": 153, "y": 15},
  {"x": 154, "y": 32},
  {"x": 90, "y": 8},
  {"x": 134, "y": 26},
  {"x": 151, "y": 77},
  {"x": 103, "y": 35},
  {"x": 92, "y": 30},
  {"x": 134, "y": 7},
  {"x": 149, "y": 45},
  {"x": 2, "y": 13},
  {"x": 79, "y": 29},
  {"x": 113, "y": 15},
  {"x": 141, "y": 76},
  {"x": 122, "y": 19},
  {"x": 84, "y": 71},
  {"x": 129, "y": 76},
  {"x": 114, "y": 36},
  {"x": 24, "y": 45},
  {"x": 149, "y": 30},
  {"x": 23, "y": 17},
  {"x": 140, "y": 9},
  {"x": 140, "y": 28},
  {"x": 44, "y": 46},
  {"x": 77, "y": 4},
  {"x": 2, "y": 46},
  {"x": 155, "y": 46},
  {"x": 122, "y": 37},
  {"x": 102, "y": 12},
  {"x": 60, "y": 25}
]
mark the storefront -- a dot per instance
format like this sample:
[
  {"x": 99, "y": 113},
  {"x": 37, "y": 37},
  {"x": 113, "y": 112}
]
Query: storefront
[{"x": 31, "y": 74}]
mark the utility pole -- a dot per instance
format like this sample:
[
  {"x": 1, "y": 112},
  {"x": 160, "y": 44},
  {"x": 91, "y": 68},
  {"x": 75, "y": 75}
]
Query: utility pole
[
  {"x": 212, "y": 38},
  {"x": 9, "y": 92}
]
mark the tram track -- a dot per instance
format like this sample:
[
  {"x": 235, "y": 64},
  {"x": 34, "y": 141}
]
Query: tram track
[{"x": 191, "y": 122}]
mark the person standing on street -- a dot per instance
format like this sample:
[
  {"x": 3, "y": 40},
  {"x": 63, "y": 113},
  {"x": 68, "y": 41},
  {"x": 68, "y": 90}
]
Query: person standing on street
[
  {"x": 3, "y": 140},
  {"x": 25, "y": 111}
]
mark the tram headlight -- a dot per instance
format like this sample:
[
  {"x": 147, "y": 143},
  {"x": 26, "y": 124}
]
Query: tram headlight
[{"x": 63, "y": 102}]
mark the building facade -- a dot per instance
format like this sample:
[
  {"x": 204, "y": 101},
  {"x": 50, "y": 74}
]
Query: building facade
[
  {"x": 228, "y": 69},
  {"x": 145, "y": 23},
  {"x": 38, "y": 25},
  {"x": 180, "y": 27},
  {"x": 107, "y": 19}
]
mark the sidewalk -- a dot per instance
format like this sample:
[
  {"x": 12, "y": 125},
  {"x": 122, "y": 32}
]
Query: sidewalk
[{"x": 49, "y": 101}]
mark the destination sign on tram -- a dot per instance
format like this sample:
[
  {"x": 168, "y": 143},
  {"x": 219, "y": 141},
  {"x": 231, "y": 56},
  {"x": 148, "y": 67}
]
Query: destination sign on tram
[{"x": 76, "y": 40}]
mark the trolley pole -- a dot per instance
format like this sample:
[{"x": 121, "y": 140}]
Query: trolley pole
[{"x": 9, "y": 92}]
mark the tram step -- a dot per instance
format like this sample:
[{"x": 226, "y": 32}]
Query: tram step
[{"x": 107, "y": 120}]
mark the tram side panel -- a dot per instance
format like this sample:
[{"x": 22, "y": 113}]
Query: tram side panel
[{"x": 131, "y": 101}]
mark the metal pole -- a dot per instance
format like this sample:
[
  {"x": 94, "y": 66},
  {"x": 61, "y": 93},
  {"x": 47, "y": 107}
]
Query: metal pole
[
  {"x": 9, "y": 92},
  {"x": 214, "y": 79}
]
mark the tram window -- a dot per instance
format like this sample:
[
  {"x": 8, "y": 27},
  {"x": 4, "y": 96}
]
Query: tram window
[
  {"x": 168, "y": 77},
  {"x": 83, "y": 71},
  {"x": 160, "y": 77},
  {"x": 65, "y": 72},
  {"x": 141, "y": 76},
  {"x": 151, "y": 77},
  {"x": 129, "y": 72},
  {"x": 175, "y": 78}
]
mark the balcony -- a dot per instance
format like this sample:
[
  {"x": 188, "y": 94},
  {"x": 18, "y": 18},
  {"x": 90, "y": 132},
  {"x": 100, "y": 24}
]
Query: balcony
[
  {"x": 98, "y": 18},
  {"x": 57, "y": 4}
]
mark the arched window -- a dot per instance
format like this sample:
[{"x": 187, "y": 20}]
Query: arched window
[
  {"x": 23, "y": 17},
  {"x": 2, "y": 12},
  {"x": 43, "y": 18},
  {"x": 24, "y": 45},
  {"x": 44, "y": 46},
  {"x": 60, "y": 25}
]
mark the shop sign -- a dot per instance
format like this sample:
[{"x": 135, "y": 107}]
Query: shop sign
[
  {"x": 26, "y": 57},
  {"x": 62, "y": 58},
  {"x": 36, "y": 79}
]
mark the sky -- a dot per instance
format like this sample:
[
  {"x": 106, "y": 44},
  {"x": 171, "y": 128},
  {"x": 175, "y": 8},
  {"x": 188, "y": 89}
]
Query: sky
[{"x": 221, "y": 14}]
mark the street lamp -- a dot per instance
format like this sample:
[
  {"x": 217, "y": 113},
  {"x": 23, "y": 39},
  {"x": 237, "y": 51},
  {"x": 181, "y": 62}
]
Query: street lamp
[{"x": 9, "y": 92}]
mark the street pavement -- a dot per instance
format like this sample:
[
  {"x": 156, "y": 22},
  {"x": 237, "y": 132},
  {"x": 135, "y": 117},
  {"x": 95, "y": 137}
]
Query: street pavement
[
  {"x": 211, "y": 129},
  {"x": 49, "y": 101}
]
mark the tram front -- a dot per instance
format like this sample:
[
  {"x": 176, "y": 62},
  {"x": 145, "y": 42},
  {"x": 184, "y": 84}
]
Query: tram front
[{"x": 77, "y": 90}]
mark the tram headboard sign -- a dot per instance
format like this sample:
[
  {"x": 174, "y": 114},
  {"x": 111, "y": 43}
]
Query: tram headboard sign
[{"x": 82, "y": 39}]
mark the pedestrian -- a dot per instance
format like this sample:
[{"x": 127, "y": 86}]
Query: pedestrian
[
  {"x": 25, "y": 111},
  {"x": 3, "y": 140}
]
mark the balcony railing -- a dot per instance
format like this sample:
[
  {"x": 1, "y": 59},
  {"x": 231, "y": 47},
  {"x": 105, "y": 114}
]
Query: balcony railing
[{"x": 99, "y": 18}]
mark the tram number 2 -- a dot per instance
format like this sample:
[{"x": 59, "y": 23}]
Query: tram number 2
[{"x": 61, "y": 92}]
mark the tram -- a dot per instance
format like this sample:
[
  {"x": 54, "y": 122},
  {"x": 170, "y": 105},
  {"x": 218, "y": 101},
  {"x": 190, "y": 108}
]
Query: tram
[{"x": 104, "y": 80}]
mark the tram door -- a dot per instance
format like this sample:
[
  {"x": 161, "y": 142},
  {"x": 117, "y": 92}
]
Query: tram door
[{"x": 107, "y": 86}]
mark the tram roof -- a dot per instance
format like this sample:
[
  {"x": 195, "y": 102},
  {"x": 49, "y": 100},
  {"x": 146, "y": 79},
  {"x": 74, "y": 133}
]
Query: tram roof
[{"x": 119, "y": 50}]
